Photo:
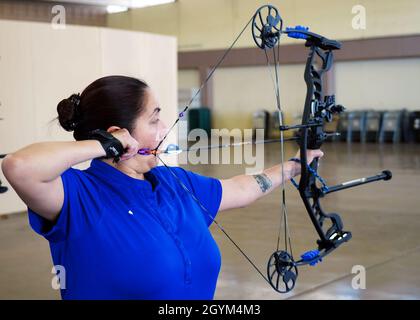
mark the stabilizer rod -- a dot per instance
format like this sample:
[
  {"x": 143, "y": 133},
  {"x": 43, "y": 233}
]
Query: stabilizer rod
[{"x": 384, "y": 175}]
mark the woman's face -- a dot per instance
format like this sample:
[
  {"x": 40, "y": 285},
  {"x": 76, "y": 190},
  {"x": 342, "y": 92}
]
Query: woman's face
[{"x": 149, "y": 128}]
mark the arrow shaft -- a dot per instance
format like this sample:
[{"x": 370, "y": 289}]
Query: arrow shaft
[{"x": 237, "y": 144}]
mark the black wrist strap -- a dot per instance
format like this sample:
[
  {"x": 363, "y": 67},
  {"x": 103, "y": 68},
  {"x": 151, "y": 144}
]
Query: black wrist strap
[{"x": 112, "y": 146}]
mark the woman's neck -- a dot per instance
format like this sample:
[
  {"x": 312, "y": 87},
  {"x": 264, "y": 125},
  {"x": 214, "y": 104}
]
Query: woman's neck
[{"x": 124, "y": 167}]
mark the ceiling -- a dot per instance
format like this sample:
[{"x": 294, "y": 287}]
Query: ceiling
[{"x": 124, "y": 3}]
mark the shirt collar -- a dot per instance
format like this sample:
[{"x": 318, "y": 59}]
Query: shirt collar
[{"x": 113, "y": 175}]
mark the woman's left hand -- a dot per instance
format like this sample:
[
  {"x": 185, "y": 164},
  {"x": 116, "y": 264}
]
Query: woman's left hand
[{"x": 310, "y": 156}]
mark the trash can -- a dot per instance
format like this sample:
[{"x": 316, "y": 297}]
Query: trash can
[
  {"x": 332, "y": 128},
  {"x": 343, "y": 127},
  {"x": 373, "y": 125},
  {"x": 351, "y": 126},
  {"x": 260, "y": 120},
  {"x": 391, "y": 127},
  {"x": 199, "y": 118},
  {"x": 358, "y": 126},
  {"x": 411, "y": 126}
]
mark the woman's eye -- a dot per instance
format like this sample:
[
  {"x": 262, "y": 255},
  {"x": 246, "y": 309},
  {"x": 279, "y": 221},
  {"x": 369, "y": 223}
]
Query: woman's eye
[{"x": 155, "y": 121}]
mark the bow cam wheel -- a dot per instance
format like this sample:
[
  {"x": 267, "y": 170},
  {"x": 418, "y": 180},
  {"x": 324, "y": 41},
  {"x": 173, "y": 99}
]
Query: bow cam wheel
[
  {"x": 266, "y": 27},
  {"x": 282, "y": 271}
]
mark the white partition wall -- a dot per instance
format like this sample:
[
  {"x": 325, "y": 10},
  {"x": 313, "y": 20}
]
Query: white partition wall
[
  {"x": 40, "y": 65},
  {"x": 390, "y": 84}
]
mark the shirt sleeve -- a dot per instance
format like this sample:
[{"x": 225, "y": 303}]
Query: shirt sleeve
[
  {"x": 207, "y": 190},
  {"x": 77, "y": 213}
]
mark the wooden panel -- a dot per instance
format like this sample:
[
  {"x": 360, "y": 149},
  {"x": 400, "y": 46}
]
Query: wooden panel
[
  {"x": 365, "y": 49},
  {"x": 64, "y": 62},
  {"x": 379, "y": 84},
  {"x": 16, "y": 98},
  {"x": 239, "y": 92},
  {"x": 39, "y": 66},
  {"x": 16, "y": 87},
  {"x": 149, "y": 57}
]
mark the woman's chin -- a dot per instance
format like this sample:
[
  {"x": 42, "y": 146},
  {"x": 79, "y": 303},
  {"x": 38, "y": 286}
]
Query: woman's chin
[{"x": 153, "y": 162}]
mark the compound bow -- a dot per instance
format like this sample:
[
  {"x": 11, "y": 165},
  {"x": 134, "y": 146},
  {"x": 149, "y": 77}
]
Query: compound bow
[{"x": 282, "y": 268}]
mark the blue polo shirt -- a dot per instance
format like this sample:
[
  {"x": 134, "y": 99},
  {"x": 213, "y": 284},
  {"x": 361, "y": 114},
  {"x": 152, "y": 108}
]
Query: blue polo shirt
[{"x": 123, "y": 238}]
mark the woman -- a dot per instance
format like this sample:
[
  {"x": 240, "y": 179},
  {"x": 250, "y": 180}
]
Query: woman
[{"x": 126, "y": 229}]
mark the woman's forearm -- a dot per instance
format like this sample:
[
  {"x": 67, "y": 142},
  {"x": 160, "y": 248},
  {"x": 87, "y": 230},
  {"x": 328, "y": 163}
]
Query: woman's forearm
[
  {"x": 243, "y": 190},
  {"x": 45, "y": 161},
  {"x": 274, "y": 176}
]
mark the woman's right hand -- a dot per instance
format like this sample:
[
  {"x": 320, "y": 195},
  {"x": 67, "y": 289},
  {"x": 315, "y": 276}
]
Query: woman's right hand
[{"x": 131, "y": 145}]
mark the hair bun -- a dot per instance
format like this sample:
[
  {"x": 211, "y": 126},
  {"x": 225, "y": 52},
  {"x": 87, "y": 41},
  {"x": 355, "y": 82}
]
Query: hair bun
[{"x": 69, "y": 113}]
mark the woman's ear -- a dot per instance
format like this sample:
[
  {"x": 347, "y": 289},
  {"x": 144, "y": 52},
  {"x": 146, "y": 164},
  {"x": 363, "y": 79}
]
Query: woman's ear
[{"x": 112, "y": 129}]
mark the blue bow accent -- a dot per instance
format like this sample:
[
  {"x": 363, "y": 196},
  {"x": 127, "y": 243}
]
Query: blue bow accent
[
  {"x": 311, "y": 255},
  {"x": 295, "y": 32}
]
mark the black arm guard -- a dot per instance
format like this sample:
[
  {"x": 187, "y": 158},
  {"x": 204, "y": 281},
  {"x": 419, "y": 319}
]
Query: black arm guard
[{"x": 112, "y": 146}]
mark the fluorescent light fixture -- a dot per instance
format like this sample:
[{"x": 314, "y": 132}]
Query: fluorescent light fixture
[
  {"x": 116, "y": 9},
  {"x": 149, "y": 3}
]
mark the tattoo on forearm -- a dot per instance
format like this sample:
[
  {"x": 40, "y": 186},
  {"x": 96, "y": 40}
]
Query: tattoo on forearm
[{"x": 263, "y": 181}]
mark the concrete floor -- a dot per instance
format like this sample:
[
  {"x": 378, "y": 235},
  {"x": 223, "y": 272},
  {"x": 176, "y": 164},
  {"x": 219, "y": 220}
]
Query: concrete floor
[{"x": 383, "y": 217}]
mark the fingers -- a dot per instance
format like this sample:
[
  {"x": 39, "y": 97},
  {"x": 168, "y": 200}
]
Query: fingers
[
  {"x": 131, "y": 149},
  {"x": 131, "y": 145},
  {"x": 311, "y": 155},
  {"x": 317, "y": 153},
  {"x": 314, "y": 154}
]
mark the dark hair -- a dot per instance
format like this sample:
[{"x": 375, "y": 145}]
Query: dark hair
[{"x": 108, "y": 101}]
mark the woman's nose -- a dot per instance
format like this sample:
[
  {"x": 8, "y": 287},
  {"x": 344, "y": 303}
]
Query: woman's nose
[
  {"x": 163, "y": 130},
  {"x": 164, "y": 126}
]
